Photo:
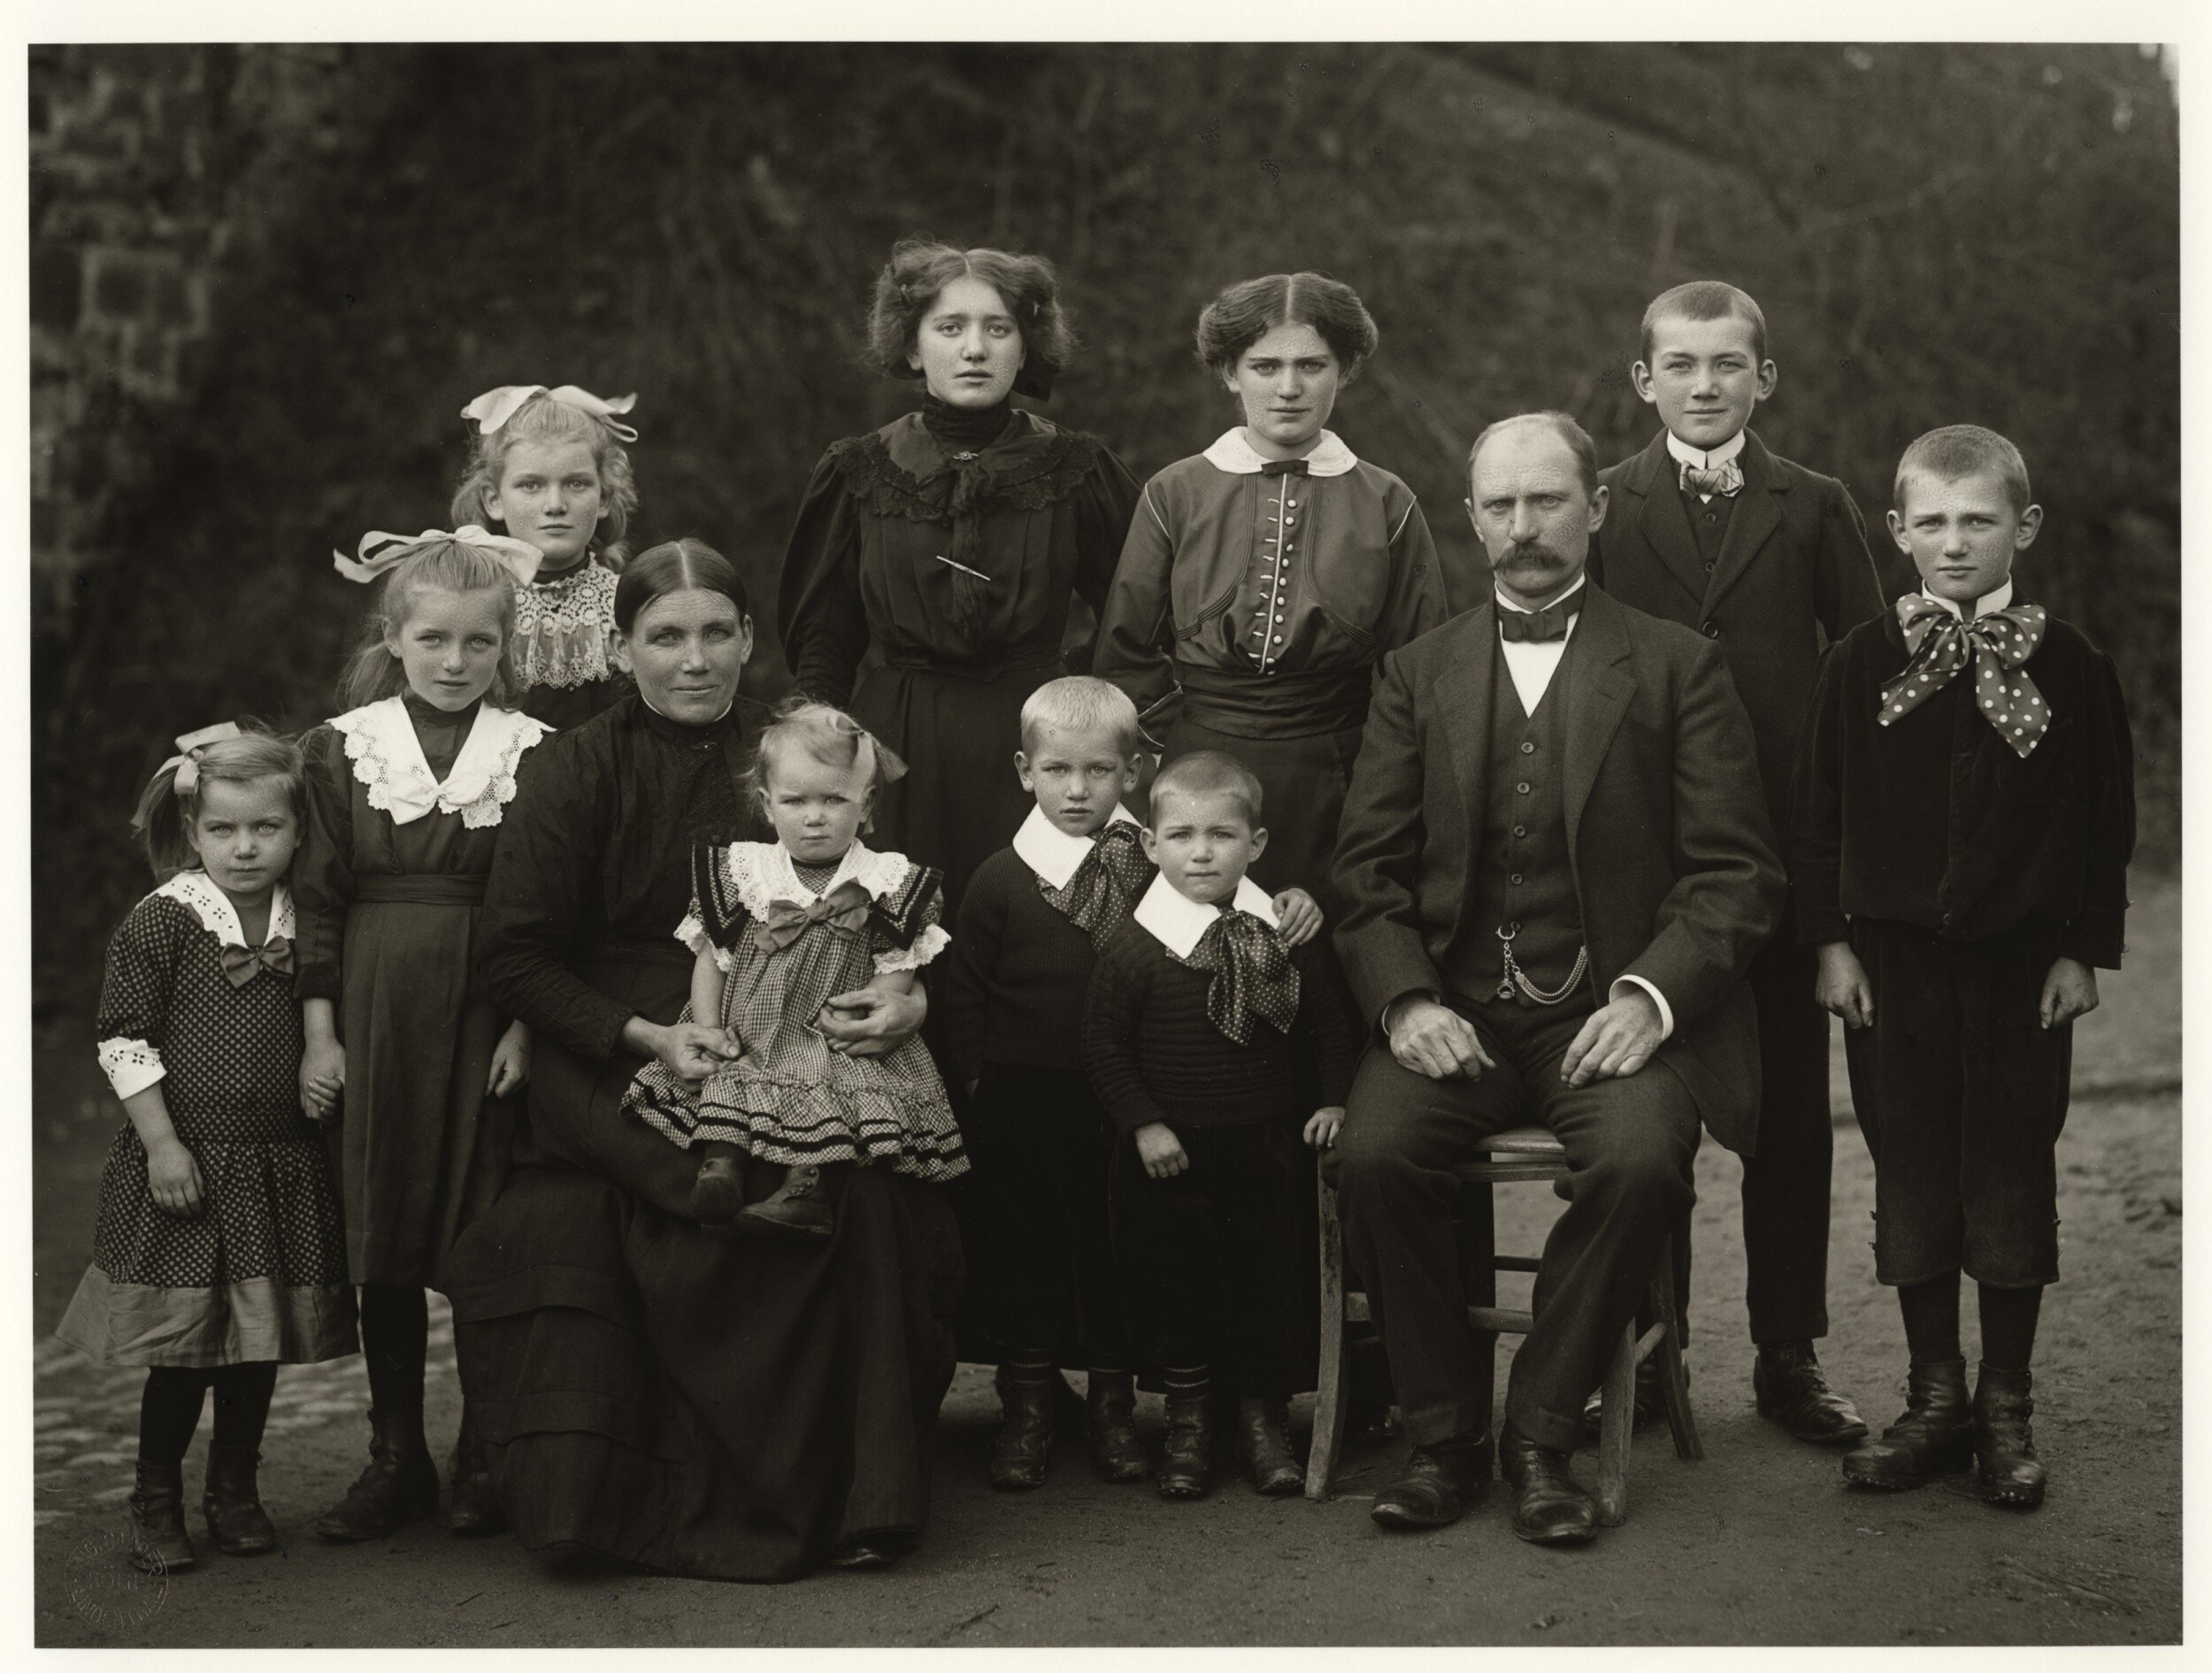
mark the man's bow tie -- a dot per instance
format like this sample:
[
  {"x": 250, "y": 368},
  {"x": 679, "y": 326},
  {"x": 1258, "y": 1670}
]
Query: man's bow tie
[
  {"x": 241, "y": 964},
  {"x": 1725, "y": 480},
  {"x": 1535, "y": 627}
]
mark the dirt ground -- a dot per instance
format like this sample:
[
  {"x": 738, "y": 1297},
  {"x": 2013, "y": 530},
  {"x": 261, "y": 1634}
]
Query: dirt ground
[{"x": 1759, "y": 1543}]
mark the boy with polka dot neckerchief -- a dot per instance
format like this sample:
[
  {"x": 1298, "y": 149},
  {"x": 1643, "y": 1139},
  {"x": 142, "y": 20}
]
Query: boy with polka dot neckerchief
[{"x": 1964, "y": 816}]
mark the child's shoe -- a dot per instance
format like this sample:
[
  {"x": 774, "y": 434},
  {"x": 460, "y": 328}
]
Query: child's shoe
[
  {"x": 1264, "y": 1447},
  {"x": 1188, "y": 1443},
  {"x": 1024, "y": 1432},
  {"x": 2007, "y": 1470},
  {"x": 795, "y": 1210},
  {"x": 400, "y": 1484},
  {"x": 232, "y": 1504},
  {"x": 718, "y": 1192},
  {"x": 1110, "y": 1427},
  {"x": 1934, "y": 1437},
  {"x": 162, "y": 1546}
]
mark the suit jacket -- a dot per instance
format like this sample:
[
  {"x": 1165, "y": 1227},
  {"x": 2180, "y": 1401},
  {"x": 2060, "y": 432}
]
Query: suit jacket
[
  {"x": 1667, "y": 832},
  {"x": 1792, "y": 577}
]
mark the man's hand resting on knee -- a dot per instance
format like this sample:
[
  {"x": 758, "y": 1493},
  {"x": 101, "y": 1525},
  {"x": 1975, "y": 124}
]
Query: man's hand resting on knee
[
  {"x": 1616, "y": 1041},
  {"x": 1433, "y": 1039}
]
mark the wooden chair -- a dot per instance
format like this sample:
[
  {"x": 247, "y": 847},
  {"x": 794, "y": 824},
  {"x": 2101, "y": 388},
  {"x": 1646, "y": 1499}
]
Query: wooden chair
[{"x": 1521, "y": 1154}]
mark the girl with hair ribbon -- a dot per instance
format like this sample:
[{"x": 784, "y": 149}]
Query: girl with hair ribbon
[
  {"x": 406, "y": 790},
  {"x": 218, "y": 1254},
  {"x": 549, "y": 467}
]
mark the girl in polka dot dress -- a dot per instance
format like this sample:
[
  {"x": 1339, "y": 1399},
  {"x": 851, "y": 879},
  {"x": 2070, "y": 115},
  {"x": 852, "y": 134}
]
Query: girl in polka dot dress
[
  {"x": 548, "y": 466},
  {"x": 218, "y": 1254},
  {"x": 778, "y": 928},
  {"x": 406, "y": 791}
]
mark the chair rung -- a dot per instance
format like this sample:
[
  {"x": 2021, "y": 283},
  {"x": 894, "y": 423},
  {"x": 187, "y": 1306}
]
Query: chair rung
[
  {"x": 1649, "y": 1342},
  {"x": 1516, "y": 1262},
  {"x": 1517, "y": 1321},
  {"x": 1511, "y": 1172},
  {"x": 1356, "y": 1310}
]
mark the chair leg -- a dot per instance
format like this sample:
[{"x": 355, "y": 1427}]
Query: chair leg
[
  {"x": 1674, "y": 1382},
  {"x": 1478, "y": 1271},
  {"x": 1329, "y": 1394},
  {"x": 1615, "y": 1431}
]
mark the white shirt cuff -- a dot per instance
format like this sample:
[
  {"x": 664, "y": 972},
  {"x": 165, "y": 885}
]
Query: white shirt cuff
[
  {"x": 132, "y": 1065},
  {"x": 1666, "y": 1011}
]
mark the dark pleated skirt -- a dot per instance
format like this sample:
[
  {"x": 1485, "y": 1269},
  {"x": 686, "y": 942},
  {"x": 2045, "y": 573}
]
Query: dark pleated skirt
[{"x": 722, "y": 1410}]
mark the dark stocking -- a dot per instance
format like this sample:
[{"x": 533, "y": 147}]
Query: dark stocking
[
  {"x": 395, "y": 1341},
  {"x": 1931, "y": 1320},
  {"x": 242, "y": 1403},
  {"x": 2009, "y": 1318},
  {"x": 169, "y": 1411}
]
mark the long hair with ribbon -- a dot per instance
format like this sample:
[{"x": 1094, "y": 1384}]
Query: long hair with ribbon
[
  {"x": 465, "y": 560},
  {"x": 501, "y": 418},
  {"x": 226, "y": 751},
  {"x": 825, "y": 735}
]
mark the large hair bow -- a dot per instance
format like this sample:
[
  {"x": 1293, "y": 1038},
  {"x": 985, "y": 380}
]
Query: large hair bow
[
  {"x": 495, "y": 407},
  {"x": 380, "y": 551},
  {"x": 186, "y": 760}
]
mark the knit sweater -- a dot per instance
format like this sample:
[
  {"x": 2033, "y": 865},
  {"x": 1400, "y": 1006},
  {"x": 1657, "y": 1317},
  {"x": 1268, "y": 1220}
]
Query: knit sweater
[
  {"x": 1154, "y": 1054},
  {"x": 1016, "y": 975}
]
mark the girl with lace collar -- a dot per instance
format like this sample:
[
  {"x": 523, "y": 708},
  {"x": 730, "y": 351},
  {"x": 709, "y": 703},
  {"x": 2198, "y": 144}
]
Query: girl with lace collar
[
  {"x": 406, "y": 790},
  {"x": 217, "y": 1253},
  {"x": 777, "y": 929},
  {"x": 952, "y": 542},
  {"x": 549, "y": 466}
]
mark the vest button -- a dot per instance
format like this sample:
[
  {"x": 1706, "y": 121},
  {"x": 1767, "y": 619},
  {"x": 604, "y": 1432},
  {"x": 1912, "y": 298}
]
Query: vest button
[
  {"x": 1528, "y": 749},
  {"x": 1517, "y": 879},
  {"x": 1709, "y": 569},
  {"x": 1711, "y": 630},
  {"x": 1520, "y": 830},
  {"x": 1712, "y": 516},
  {"x": 1522, "y": 787}
]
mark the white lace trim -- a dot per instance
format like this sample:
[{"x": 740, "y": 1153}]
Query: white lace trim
[
  {"x": 562, "y": 627},
  {"x": 130, "y": 1065},
  {"x": 761, "y": 872},
  {"x": 931, "y": 941},
  {"x": 196, "y": 890},
  {"x": 388, "y": 760}
]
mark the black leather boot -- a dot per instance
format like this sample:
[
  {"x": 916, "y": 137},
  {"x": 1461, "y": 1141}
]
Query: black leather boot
[
  {"x": 1186, "y": 1445},
  {"x": 1787, "y": 1382},
  {"x": 1551, "y": 1508},
  {"x": 1934, "y": 1437},
  {"x": 1110, "y": 1427},
  {"x": 718, "y": 1192},
  {"x": 1264, "y": 1447},
  {"x": 2007, "y": 1469},
  {"x": 795, "y": 1210},
  {"x": 1651, "y": 1402},
  {"x": 1439, "y": 1484},
  {"x": 1025, "y": 1433},
  {"x": 400, "y": 1484},
  {"x": 232, "y": 1504},
  {"x": 473, "y": 1512},
  {"x": 158, "y": 1521}
]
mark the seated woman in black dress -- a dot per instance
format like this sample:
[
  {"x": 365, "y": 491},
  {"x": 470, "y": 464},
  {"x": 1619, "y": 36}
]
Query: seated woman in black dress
[{"x": 734, "y": 1411}]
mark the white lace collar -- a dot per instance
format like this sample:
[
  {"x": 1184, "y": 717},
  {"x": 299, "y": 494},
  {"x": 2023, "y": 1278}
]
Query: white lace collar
[
  {"x": 388, "y": 760},
  {"x": 1051, "y": 852},
  {"x": 197, "y": 890},
  {"x": 1232, "y": 453},
  {"x": 1983, "y": 605},
  {"x": 1706, "y": 459},
  {"x": 1178, "y": 922},
  {"x": 763, "y": 872}
]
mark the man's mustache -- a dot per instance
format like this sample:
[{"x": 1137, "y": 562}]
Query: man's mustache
[{"x": 1519, "y": 554}]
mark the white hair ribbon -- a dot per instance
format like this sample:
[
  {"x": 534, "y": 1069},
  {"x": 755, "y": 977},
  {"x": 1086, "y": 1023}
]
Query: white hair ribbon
[
  {"x": 186, "y": 760},
  {"x": 495, "y": 407},
  {"x": 379, "y": 551}
]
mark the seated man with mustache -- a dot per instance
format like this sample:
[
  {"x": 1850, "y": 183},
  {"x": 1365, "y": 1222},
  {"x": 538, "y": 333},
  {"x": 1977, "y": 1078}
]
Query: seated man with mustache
[{"x": 1557, "y": 864}]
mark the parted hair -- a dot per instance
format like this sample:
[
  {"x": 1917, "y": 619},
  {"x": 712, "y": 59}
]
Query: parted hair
[
  {"x": 1207, "y": 772},
  {"x": 676, "y": 566},
  {"x": 164, "y": 815},
  {"x": 1082, "y": 702},
  {"x": 374, "y": 672},
  {"x": 1574, "y": 435},
  {"x": 1959, "y": 450},
  {"x": 821, "y": 733},
  {"x": 542, "y": 418},
  {"x": 917, "y": 274},
  {"x": 1245, "y": 312},
  {"x": 1707, "y": 299}
]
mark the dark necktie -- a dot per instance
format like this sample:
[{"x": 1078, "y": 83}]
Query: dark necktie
[
  {"x": 1284, "y": 467},
  {"x": 1253, "y": 978},
  {"x": 1998, "y": 642},
  {"x": 1103, "y": 890},
  {"x": 1535, "y": 627}
]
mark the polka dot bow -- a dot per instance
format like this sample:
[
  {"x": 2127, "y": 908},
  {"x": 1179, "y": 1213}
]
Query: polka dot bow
[
  {"x": 2002, "y": 641},
  {"x": 1253, "y": 979}
]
